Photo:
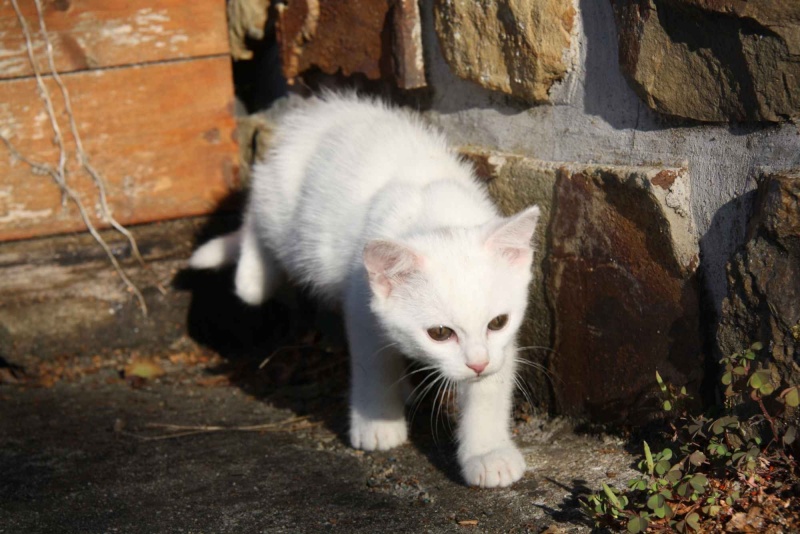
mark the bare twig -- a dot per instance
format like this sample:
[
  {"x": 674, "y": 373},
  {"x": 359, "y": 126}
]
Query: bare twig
[
  {"x": 58, "y": 174},
  {"x": 281, "y": 349},
  {"x": 776, "y": 437},
  {"x": 178, "y": 431},
  {"x": 83, "y": 158}
]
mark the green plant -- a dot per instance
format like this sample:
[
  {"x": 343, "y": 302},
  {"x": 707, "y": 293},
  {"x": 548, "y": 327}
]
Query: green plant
[{"x": 714, "y": 461}]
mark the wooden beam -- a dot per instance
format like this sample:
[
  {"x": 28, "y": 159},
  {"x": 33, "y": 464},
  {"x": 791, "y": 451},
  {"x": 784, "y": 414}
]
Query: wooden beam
[
  {"x": 161, "y": 134},
  {"x": 92, "y": 34}
]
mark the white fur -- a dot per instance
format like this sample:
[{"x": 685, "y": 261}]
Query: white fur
[{"x": 372, "y": 210}]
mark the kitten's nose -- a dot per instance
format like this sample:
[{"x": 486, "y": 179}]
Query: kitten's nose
[{"x": 478, "y": 367}]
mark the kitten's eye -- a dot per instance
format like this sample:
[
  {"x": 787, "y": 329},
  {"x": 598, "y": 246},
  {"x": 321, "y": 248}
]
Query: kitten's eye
[
  {"x": 440, "y": 333},
  {"x": 498, "y": 322}
]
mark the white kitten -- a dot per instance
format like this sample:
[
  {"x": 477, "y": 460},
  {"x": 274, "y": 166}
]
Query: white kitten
[{"x": 371, "y": 209}]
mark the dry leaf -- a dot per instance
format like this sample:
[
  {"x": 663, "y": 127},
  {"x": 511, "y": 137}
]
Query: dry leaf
[
  {"x": 213, "y": 381},
  {"x": 144, "y": 369}
]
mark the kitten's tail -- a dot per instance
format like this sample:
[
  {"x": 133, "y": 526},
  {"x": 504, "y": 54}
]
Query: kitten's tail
[{"x": 217, "y": 252}]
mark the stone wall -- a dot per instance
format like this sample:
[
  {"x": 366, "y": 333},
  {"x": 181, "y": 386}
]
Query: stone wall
[
  {"x": 647, "y": 87},
  {"x": 640, "y": 126}
]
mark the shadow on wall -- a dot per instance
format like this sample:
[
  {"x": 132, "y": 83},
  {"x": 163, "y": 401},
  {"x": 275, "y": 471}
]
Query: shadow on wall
[
  {"x": 607, "y": 93},
  {"x": 728, "y": 225}
]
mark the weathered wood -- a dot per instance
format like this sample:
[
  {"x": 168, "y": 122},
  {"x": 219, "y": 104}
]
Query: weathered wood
[
  {"x": 89, "y": 34},
  {"x": 161, "y": 134}
]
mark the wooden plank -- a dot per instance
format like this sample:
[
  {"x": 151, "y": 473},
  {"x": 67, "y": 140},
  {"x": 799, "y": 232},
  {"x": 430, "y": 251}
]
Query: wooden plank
[
  {"x": 89, "y": 34},
  {"x": 161, "y": 134}
]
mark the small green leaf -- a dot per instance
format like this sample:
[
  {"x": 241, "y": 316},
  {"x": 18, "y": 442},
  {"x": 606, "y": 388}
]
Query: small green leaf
[
  {"x": 766, "y": 389},
  {"x": 693, "y": 520},
  {"x": 727, "y": 378},
  {"x": 649, "y": 458},
  {"x": 790, "y": 435},
  {"x": 661, "y": 383},
  {"x": 755, "y": 380},
  {"x": 739, "y": 370},
  {"x": 637, "y": 524},
  {"x": 667, "y": 406},
  {"x": 697, "y": 458},
  {"x": 759, "y": 378},
  {"x": 791, "y": 397},
  {"x": 718, "y": 427},
  {"x": 666, "y": 454},
  {"x": 611, "y": 497},
  {"x": 674, "y": 475},
  {"x": 699, "y": 482},
  {"x": 655, "y": 501},
  {"x": 637, "y": 484},
  {"x": 662, "y": 467},
  {"x": 757, "y": 346}
]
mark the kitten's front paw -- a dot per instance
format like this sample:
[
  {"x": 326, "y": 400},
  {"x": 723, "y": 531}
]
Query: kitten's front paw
[
  {"x": 377, "y": 435},
  {"x": 498, "y": 468}
]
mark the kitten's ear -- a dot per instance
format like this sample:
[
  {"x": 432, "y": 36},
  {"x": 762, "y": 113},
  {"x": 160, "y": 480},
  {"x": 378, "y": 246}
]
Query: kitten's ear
[
  {"x": 388, "y": 264},
  {"x": 512, "y": 237}
]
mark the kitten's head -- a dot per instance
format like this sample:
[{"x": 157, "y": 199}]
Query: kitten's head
[{"x": 455, "y": 298}]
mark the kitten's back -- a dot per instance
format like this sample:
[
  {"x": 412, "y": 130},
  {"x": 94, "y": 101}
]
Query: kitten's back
[{"x": 343, "y": 170}]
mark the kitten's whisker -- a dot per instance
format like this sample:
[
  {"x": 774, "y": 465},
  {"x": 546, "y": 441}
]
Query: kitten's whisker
[
  {"x": 422, "y": 382},
  {"x": 523, "y": 387},
  {"x": 423, "y": 393},
  {"x": 539, "y": 367},
  {"x": 441, "y": 396},
  {"x": 435, "y": 428},
  {"x": 383, "y": 349},
  {"x": 421, "y": 397},
  {"x": 428, "y": 368},
  {"x": 450, "y": 394},
  {"x": 536, "y": 347}
]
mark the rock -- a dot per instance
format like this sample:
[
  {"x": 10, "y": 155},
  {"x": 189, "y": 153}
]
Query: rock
[
  {"x": 246, "y": 19},
  {"x": 332, "y": 36},
  {"x": 622, "y": 285},
  {"x": 513, "y": 46},
  {"x": 763, "y": 302},
  {"x": 407, "y": 42},
  {"x": 615, "y": 291},
  {"x": 713, "y": 60},
  {"x": 376, "y": 38}
]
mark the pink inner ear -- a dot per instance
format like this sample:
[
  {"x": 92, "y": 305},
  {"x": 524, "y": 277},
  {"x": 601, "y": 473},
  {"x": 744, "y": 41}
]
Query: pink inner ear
[
  {"x": 512, "y": 254},
  {"x": 512, "y": 238},
  {"x": 388, "y": 264}
]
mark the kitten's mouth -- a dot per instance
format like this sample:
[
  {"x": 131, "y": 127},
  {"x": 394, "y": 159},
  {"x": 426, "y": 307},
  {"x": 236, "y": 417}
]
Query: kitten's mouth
[{"x": 477, "y": 378}]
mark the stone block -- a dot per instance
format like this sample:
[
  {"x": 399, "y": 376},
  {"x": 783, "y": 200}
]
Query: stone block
[
  {"x": 615, "y": 292},
  {"x": 621, "y": 283},
  {"x": 720, "y": 60},
  {"x": 246, "y": 20},
  {"x": 517, "y": 47},
  {"x": 763, "y": 302},
  {"x": 376, "y": 38}
]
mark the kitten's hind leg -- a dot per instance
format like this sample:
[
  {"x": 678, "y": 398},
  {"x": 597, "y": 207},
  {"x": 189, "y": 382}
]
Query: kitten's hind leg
[
  {"x": 257, "y": 273},
  {"x": 377, "y": 408}
]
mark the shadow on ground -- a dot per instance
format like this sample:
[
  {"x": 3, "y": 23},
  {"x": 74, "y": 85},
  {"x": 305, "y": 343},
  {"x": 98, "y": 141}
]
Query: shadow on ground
[{"x": 292, "y": 354}]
